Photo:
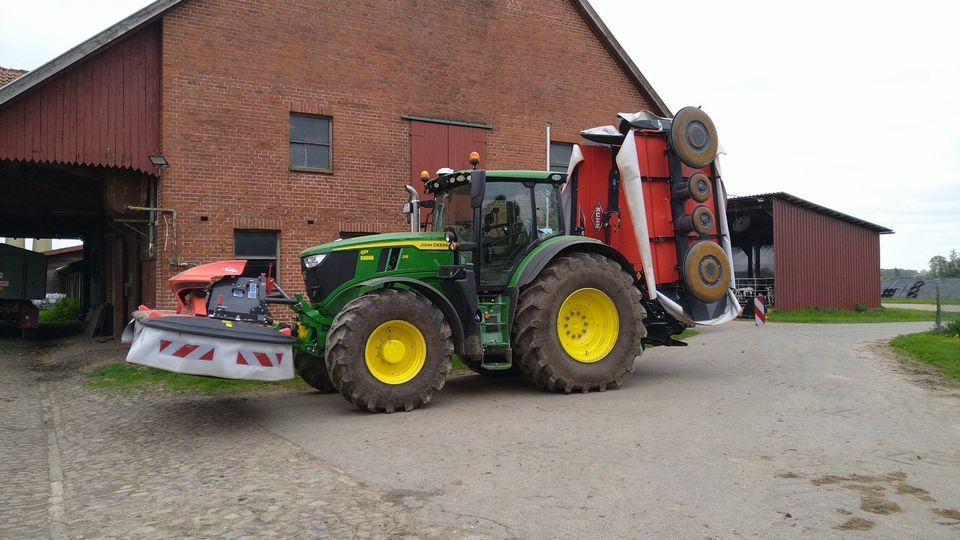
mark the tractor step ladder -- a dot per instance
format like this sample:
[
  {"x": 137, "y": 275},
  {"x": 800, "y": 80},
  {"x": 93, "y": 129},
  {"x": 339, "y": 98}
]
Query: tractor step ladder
[{"x": 504, "y": 353}]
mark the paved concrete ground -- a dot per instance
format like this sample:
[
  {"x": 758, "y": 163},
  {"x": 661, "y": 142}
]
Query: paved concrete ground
[
  {"x": 784, "y": 430},
  {"x": 779, "y": 431}
]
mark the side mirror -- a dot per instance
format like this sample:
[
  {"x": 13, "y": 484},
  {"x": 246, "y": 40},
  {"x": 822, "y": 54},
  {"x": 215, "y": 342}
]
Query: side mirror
[{"x": 478, "y": 184}]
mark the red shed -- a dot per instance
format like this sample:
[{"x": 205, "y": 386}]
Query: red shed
[{"x": 800, "y": 254}]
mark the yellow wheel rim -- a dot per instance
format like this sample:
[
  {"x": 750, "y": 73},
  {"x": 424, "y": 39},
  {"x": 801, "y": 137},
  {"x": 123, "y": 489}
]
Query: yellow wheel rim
[
  {"x": 588, "y": 325},
  {"x": 395, "y": 352}
]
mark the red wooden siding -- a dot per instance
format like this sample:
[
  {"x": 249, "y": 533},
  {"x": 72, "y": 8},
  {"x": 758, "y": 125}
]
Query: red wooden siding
[
  {"x": 823, "y": 261},
  {"x": 433, "y": 146},
  {"x": 104, "y": 111}
]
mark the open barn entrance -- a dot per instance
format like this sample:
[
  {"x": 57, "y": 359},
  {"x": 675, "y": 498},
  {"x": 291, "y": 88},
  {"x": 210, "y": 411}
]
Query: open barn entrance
[
  {"x": 751, "y": 225},
  {"x": 42, "y": 200}
]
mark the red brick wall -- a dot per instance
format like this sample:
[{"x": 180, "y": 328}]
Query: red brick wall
[{"x": 232, "y": 71}]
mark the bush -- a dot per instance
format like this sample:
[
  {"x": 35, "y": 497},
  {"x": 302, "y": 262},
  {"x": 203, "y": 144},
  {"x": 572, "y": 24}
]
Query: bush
[
  {"x": 66, "y": 309},
  {"x": 951, "y": 327},
  {"x": 860, "y": 308}
]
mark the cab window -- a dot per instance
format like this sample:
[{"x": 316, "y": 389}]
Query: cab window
[
  {"x": 508, "y": 227},
  {"x": 547, "y": 198}
]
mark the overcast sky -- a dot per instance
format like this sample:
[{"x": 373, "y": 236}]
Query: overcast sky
[{"x": 851, "y": 105}]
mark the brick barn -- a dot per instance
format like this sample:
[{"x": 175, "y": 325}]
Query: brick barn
[{"x": 285, "y": 124}]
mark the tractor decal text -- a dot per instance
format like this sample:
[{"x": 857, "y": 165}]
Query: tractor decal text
[{"x": 424, "y": 245}]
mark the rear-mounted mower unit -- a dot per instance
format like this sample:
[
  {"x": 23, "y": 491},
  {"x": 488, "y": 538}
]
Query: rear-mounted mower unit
[{"x": 561, "y": 277}]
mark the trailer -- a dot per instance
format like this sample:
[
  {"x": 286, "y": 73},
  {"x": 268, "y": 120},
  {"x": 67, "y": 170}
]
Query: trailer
[{"x": 23, "y": 277}]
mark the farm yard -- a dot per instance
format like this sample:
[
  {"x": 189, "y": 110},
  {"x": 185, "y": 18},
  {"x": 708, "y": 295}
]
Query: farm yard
[{"x": 782, "y": 430}]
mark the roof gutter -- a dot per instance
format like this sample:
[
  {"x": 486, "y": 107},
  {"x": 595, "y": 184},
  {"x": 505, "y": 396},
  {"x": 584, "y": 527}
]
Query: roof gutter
[{"x": 91, "y": 46}]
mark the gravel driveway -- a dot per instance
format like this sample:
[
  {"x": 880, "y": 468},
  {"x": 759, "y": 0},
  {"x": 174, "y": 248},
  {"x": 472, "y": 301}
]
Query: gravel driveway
[{"x": 778, "y": 431}]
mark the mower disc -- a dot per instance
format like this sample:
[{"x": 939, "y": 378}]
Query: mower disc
[
  {"x": 693, "y": 137},
  {"x": 702, "y": 220},
  {"x": 699, "y": 186},
  {"x": 706, "y": 271}
]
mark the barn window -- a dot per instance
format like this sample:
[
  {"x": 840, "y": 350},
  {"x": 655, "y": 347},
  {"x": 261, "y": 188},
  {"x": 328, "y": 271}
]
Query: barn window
[
  {"x": 560, "y": 156},
  {"x": 259, "y": 248},
  {"x": 310, "y": 143}
]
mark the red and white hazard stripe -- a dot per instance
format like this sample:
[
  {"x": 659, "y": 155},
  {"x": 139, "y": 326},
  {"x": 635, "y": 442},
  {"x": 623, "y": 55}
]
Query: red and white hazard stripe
[
  {"x": 254, "y": 358},
  {"x": 182, "y": 349},
  {"x": 760, "y": 310}
]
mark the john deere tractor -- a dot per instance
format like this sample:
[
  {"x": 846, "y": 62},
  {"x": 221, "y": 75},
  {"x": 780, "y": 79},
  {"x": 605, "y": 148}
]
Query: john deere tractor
[
  {"x": 495, "y": 281},
  {"x": 561, "y": 279}
]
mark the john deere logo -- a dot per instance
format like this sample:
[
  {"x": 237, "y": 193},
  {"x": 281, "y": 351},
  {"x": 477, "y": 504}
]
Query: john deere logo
[{"x": 598, "y": 217}]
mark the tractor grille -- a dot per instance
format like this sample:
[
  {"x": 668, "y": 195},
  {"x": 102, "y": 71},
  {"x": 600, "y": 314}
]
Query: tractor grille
[{"x": 335, "y": 270}]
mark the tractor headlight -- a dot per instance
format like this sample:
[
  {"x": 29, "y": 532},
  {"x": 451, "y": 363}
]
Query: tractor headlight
[{"x": 312, "y": 261}]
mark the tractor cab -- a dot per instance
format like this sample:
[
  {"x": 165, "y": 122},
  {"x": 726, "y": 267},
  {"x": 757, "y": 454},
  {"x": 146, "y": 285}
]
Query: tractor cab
[{"x": 496, "y": 217}]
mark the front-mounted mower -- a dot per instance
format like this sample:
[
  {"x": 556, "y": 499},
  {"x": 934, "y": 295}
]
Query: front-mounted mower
[{"x": 512, "y": 274}]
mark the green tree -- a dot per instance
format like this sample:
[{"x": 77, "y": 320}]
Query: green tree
[
  {"x": 944, "y": 267},
  {"x": 954, "y": 263}
]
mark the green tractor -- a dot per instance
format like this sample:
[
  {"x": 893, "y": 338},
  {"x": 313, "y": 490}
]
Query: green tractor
[
  {"x": 495, "y": 281},
  {"x": 563, "y": 280}
]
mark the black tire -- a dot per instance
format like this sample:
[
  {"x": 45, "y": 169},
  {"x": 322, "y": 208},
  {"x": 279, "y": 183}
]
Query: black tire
[
  {"x": 347, "y": 340},
  {"x": 536, "y": 342},
  {"x": 313, "y": 370}
]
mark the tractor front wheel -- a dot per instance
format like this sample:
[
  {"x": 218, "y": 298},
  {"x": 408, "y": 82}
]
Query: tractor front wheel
[
  {"x": 313, "y": 370},
  {"x": 389, "y": 350},
  {"x": 579, "y": 325}
]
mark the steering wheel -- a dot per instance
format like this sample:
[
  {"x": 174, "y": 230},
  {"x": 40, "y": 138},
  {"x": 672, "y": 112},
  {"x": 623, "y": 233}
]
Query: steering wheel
[{"x": 494, "y": 226}]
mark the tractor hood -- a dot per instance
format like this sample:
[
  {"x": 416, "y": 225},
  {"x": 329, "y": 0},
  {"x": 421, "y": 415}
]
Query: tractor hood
[{"x": 426, "y": 241}]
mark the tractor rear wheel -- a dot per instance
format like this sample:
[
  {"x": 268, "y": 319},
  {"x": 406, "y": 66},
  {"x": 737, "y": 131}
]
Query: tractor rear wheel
[
  {"x": 389, "y": 350},
  {"x": 313, "y": 370},
  {"x": 579, "y": 325}
]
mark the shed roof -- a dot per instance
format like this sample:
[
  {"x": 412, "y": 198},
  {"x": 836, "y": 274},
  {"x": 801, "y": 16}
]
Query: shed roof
[
  {"x": 157, "y": 9},
  {"x": 766, "y": 199},
  {"x": 61, "y": 251}
]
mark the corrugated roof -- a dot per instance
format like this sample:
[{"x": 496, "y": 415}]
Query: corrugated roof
[
  {"x": 157, "y": 9},
  {"x": 793, "y": 199}
]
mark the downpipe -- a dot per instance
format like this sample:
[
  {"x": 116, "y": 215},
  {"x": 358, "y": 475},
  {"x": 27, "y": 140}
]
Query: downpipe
[{"x": 175, "y": 261}]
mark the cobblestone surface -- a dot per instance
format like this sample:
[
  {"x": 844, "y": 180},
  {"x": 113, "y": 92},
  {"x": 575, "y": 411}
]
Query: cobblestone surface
[
  {"x": 23, "y": 447},
  {"x": 164, "y": 466}
]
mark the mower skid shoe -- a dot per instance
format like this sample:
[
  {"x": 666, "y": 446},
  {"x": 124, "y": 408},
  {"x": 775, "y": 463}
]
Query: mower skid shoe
[{"x": 212, "y": 348}]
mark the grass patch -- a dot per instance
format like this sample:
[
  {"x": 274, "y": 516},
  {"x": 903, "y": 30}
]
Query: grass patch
[
  {"x": 457, "y": 366},
  {"x": 928, "y": 301},
  {"x": 127, "y": 377},
  {"x": 939, "y": 349},
  {"x": 831, "y": 315},
  {"x": 689, "y": 332}
]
